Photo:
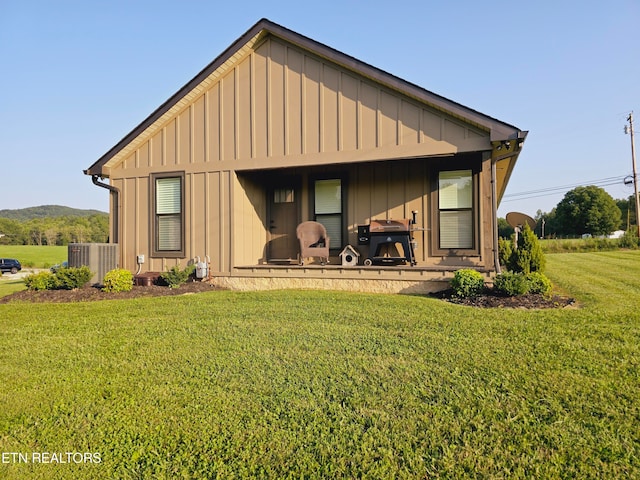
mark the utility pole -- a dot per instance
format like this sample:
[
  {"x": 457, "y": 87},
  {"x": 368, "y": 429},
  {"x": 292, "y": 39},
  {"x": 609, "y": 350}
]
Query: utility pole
[{"x": 635, "y": 172}]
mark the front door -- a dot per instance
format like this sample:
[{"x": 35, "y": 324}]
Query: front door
[{"x": 284, "y": 216}]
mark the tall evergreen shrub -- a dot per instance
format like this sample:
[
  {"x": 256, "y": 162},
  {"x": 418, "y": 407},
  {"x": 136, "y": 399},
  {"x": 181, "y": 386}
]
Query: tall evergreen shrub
[{"x": 528, "y": 257}]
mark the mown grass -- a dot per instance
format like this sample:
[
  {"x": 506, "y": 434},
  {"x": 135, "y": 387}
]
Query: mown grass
[
  {"x": 329, "y": 385},
  {"x": 35, "y": 256},
  {"x": 9, "y": 284}
]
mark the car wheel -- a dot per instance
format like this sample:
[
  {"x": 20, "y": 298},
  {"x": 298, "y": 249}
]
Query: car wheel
[{"x": 14, "y": 270}]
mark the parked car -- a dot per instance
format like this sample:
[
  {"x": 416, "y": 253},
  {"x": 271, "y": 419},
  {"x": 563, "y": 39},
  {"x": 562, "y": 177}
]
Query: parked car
[
  {"x": 58, "y": 266},
  {"x": 10, "y": 265}
]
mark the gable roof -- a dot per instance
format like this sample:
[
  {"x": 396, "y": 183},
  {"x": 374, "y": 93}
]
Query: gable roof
[{"x": 499, "y": 131}]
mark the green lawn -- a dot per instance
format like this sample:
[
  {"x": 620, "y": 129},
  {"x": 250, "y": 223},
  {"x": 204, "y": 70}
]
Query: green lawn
[
  {"x": 328, "y": 385},
  {"x": 9, "y": 284},
  {"x": 35, "y": 256}
]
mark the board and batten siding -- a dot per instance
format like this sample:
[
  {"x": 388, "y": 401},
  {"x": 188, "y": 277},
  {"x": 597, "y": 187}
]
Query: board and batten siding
[
  {"x": 207, "y": 220},
  {"x": 279, "y": 106},
  {"x": 279, "y": 102}
]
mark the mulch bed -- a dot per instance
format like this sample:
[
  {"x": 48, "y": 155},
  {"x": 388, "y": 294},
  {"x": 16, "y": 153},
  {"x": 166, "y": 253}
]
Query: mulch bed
[
  {"x": 494, "y": 300},
  {"x": 90, "y": 294}
]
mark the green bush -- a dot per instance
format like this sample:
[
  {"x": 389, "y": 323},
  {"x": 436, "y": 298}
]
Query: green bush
[
  {"x": 118, "y": 280},
  {"x": 467, "y": 283},
  {"x": 40, "y": 281},
  {"x": 519, "y": 283},
  {"x": 511, "y": 284},
  {"x": 528, "y": 257},
  {"x": 539, "y": 283},
  {"x": 505, "y": 250},
  {"x": 175, "y": 276},
  {"x": 63, "y": 279},
  {"x": 70, "y": 278},
  {"x": 629, "y": 239}
]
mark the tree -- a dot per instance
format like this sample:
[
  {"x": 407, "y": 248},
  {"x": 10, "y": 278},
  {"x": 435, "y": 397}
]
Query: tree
[
  {"x": 11, "y": 232},
  {"x": 54, "y": 230},
  {"x": 504, "y": 229},
  {"x": 550, "y": 221},
  {"x": 528, "y": 256},
  {"x": 588, "y": 210},
  {"x": 627, "y": 207}
]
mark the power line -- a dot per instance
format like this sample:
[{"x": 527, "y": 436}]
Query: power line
[
  {"x": 561, "y": 187},
  {"x": 543, "y": 192}
]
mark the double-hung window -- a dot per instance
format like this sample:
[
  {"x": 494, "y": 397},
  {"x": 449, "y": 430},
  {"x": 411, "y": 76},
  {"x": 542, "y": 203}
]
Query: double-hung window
[
  {"x": 328, "y": 208},
  {"x": 168, "y": 214},
  {"x": 455, "y": 210}
]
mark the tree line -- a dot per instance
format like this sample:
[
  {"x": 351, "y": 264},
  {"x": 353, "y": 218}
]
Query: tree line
[
  {"x": 55, "y": 230},
  {"x": 586, "y": 210}
]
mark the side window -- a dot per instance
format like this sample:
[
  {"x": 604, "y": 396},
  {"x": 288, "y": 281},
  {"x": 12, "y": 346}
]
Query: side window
[
  {"x": 168, "y": 215},
  {"x": 455, "y": 209},
  {"x": 283, "y": 195},
  {"x": 328, "y": 208}
]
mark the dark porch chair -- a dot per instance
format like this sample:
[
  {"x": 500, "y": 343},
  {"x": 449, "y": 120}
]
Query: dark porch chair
[{"x": 314, "y": 242}]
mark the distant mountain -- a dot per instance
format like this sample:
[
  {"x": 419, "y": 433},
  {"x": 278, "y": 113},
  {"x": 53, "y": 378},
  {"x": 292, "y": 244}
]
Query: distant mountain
[{"x": 46, "y": 211}]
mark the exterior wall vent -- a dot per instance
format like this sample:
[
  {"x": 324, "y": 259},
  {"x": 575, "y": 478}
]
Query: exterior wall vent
[{"x": 99, "y": 257}]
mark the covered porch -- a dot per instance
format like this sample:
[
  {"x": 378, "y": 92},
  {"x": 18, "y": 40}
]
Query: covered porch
[{"x": 269, "y": 204}]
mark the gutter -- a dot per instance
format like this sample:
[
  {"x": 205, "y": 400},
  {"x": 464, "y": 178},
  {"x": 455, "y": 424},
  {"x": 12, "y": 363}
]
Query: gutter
[{"x": 115, "y": 192}]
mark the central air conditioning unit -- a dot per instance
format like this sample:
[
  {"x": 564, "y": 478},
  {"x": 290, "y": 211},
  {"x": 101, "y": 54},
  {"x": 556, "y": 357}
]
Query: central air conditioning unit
[{"x": 99, "y": 257}]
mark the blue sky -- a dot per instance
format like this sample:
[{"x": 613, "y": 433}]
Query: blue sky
[{"x": 77, "y": 76}]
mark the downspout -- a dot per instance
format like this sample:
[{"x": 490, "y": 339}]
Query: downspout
[
  {"x": 116, "y": 196},
  {"x": 494, "y": 214},
  {"x": 513, "y": 150}
]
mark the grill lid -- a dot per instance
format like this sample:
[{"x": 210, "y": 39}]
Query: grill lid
[{"x": 390, "y": 225}]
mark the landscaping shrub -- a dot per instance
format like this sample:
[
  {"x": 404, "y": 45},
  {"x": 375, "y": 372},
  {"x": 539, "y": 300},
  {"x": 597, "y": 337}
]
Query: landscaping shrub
[
  {"x": 64, "y": 279},
  {"x": 511, "y": 284},
  {"x": 175, "y": 276},
  {"x": 467, "y": 283},
  {"x": 40, "y": 281},
  {"x": 519, "y": 283},
  {"x": 539, "y": 283},
  {"x": 70, "y": 278},
  {"x": 528, "y": 257},
  {"x": 505, "y": 250},
  {"x": 118, "y": 280}
]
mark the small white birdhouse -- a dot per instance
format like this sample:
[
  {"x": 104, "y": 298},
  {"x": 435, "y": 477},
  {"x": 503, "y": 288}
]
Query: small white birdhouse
[{"x": 349, "y": 256}]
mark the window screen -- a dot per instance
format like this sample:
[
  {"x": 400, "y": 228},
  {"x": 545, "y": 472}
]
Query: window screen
[
  {"x": 168, "y": 206},
  {"x": 283, "y": 195},
  {"x": 328, "y": 208},
  {"x": 455, "y": 204}
]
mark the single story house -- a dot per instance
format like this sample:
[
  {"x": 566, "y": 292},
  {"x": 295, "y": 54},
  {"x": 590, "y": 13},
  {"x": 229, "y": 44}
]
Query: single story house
[{"x": 281, "y": 129}]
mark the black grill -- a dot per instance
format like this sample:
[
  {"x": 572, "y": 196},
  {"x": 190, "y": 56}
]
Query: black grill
[{"x": 383, "y": 236}]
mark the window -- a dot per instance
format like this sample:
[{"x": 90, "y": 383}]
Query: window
[
  {"x": 283, "y": 195},
  {"x": 168, "y": 204},
  {"x": 455, "y": 209},
  {"x": 328, "y": 208}
]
